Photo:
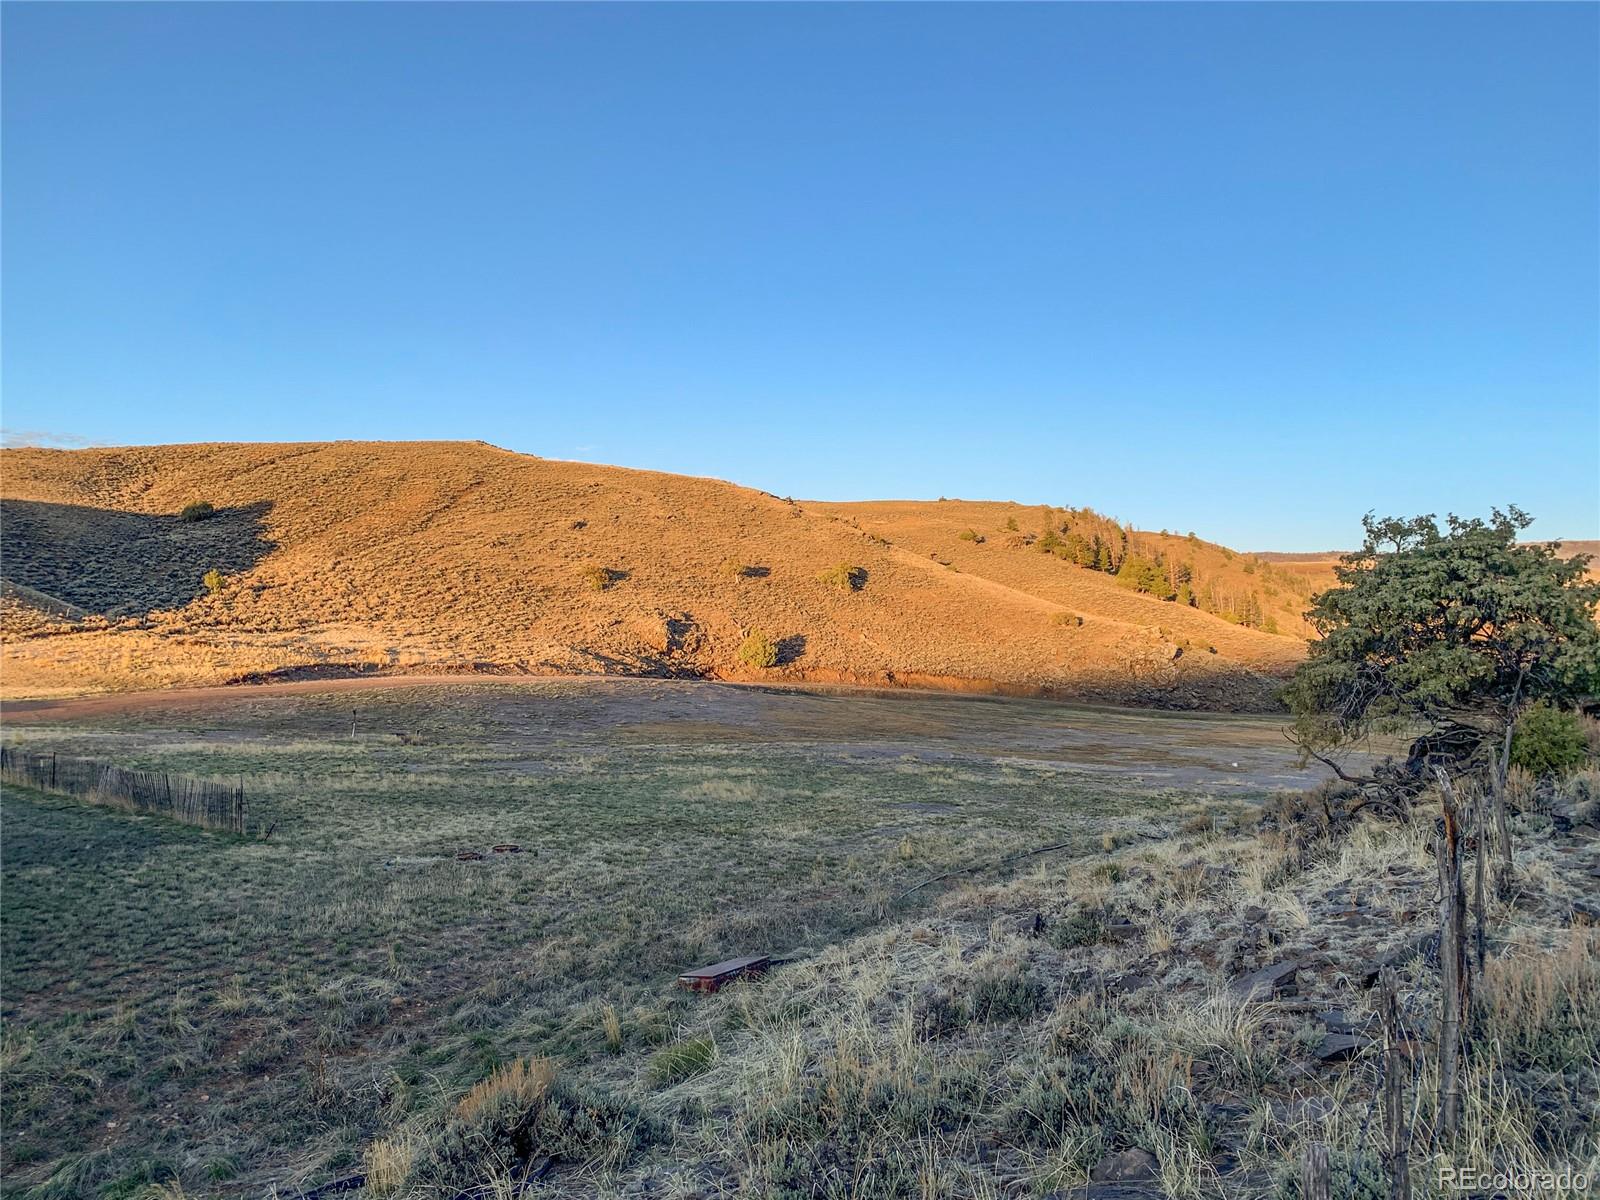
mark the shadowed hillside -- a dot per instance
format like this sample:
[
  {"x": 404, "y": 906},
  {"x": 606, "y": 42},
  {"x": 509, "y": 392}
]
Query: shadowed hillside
[
  {"x": 123, "y": 563},
  {"x": 423, "y": 557}
]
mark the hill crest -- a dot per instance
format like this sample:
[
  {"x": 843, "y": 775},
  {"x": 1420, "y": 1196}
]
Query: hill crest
[{"x": 461, "y": 556}]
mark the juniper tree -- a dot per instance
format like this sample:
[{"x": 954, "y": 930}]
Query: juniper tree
[{"x": 1448, "y": 634}]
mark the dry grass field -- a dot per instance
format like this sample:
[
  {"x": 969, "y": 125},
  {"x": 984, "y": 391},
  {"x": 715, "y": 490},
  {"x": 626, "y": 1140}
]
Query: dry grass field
[
  {"x": 426, "y": 557},
  {"x": 447, "y": 971},
  {"x": 190, "y": 1013}
]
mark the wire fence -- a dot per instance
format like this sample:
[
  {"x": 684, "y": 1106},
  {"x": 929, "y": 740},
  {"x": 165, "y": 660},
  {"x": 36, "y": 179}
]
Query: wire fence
[{"x": 187, "y": 798}]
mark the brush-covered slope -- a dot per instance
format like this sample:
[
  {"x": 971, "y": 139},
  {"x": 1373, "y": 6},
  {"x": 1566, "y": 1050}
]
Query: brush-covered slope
[
  {"x": 1077, "y": 557},
  {"x": 459, "y": 556}
]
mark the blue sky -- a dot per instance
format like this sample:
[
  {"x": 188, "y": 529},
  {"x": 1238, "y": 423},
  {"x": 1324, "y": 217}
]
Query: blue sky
[{"x": 1248, "y": 270}]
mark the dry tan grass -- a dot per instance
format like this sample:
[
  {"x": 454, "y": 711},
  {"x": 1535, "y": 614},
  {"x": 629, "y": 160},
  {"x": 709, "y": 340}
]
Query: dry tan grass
[
  {"x": 524, "y": 1081},
  {"x": 611, "y": 1026},
  {"x": 439, "y": 556},
  {"x": 936, "y": 528},
  {"x": 387, "y": 1163},
  {"x": 1526, "y": 991}
]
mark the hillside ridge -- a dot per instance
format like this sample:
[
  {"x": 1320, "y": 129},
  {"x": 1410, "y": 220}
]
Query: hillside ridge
[{"x": 463, "y": 556}]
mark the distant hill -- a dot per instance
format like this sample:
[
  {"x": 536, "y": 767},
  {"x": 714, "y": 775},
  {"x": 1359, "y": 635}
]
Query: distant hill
[
  {"x": 1316, "y": 569},
  {"x": 1075, "y": 556},
  {"x": 452, "y": 556}
]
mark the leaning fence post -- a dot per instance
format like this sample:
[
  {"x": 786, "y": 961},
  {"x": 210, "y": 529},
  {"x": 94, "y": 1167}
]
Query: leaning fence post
[
  {"x": 1314, "y": 1184},
  {"x": 1397, "y": 1137},
  {"x": 1452, "y": 961},
  {"x": 1502, "y": 769},
  {"x": 1481, "y": 824}
]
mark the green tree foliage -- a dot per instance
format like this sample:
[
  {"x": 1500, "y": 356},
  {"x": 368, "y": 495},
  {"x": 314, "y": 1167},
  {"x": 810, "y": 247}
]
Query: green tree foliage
[
  {"x": 758, "y": 651},
  {"x": 1455, "y": 630},
  {"x": 1145, "y": 575},
  {"x": 212, "y": 580},
  {"x": 1549, "y": 739},
  {"x": 845, "y": 576}
]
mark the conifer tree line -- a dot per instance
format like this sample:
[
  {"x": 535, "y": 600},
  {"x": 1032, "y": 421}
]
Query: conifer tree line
[{"x": 1087, "y": 539}]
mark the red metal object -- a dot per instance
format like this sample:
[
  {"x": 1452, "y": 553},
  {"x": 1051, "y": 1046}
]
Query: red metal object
[{"x": 709, "y": 979}]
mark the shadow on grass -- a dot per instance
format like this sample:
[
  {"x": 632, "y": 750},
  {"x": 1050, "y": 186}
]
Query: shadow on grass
[{"x": 121, "y": 564}]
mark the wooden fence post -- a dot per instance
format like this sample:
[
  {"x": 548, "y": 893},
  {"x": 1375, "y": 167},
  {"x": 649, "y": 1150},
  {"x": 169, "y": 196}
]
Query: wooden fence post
[
  {"x": 1502, "y": 769},
  {"x": 1480, "y": 822},
  {"x": 1452, "y": 956},
  {"x": 1397, "y": 1137},
  {"x": 1314, "y": 1181}
]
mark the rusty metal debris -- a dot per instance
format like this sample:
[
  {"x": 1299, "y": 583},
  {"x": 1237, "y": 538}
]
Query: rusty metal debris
[{"x": 709, "y": 979}]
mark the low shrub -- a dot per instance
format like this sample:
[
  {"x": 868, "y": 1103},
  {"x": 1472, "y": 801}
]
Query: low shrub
[
  {"x": 1072, "y": 619},
  {"x": 1082, "y": 928},
  {"x": 972, "y": 535},
  {"x": 936, "y": 1014},
  {"x": 200, "y": 510},
  {"x": 734, "y": 569},
  {"x": 1548, "y": 739},
  {"x": 844, "y": 576},
  {"x": 212, "y": 580},
  {"x": 758, "y": 651},
  {"x": 682, "y": 1060},
  {"x": 1006, "y": 996},
  {"x": 520, "y": 1114},
  {"x": 596, "y": 578},
  {"x": 861, "y": 1126}
]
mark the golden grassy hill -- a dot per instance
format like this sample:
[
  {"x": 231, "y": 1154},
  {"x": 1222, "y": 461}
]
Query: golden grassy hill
[
  {"x": 1013, "y": 543},
  {"x": 449, "y": 556}
]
